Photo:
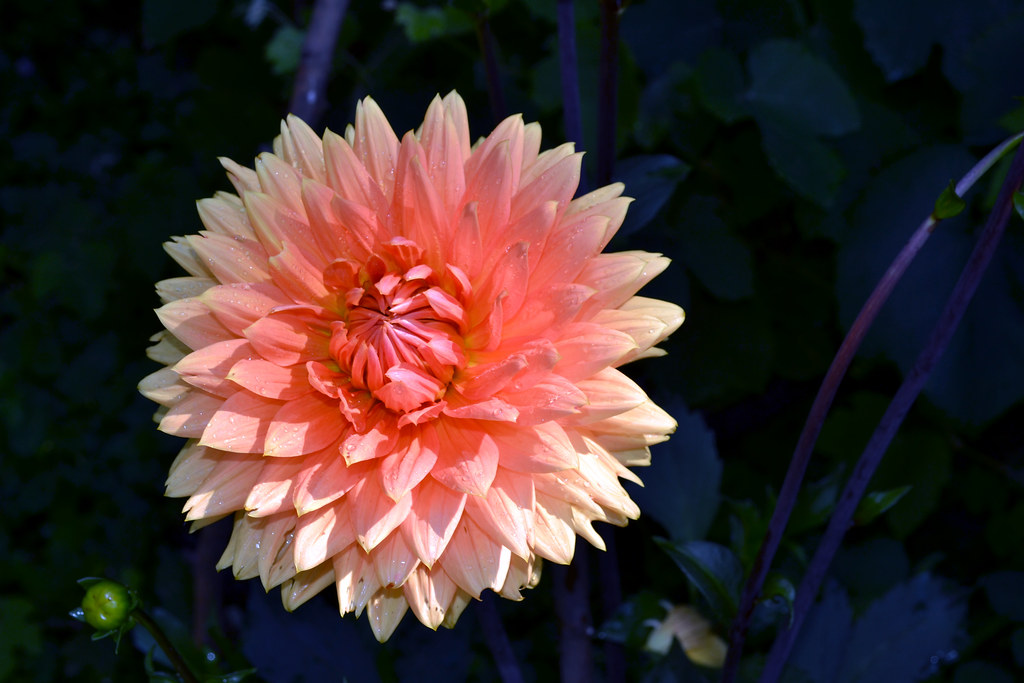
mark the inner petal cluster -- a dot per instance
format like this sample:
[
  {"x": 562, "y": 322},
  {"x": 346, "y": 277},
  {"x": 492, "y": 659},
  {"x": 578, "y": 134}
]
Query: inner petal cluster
[{"x": 400, "y": 340}]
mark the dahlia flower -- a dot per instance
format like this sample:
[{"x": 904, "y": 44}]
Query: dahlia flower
[{"x": 395, "y": 364}]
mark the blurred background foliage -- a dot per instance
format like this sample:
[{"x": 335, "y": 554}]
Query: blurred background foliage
[{"x": 780, "y": 152}]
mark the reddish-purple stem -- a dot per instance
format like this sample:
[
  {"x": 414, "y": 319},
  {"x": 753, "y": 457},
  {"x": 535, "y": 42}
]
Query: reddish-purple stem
[
  {"x": 892, "y": 419},
  {"x": 822, "y": 403},
  {"x": 607, "y": 90},
  {"x": 309, "y": 97}
]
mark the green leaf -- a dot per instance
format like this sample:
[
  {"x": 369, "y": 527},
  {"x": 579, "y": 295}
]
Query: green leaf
[
  {"x": 712, "y": 253},
  {"x": 778, "y": 587},
  {"x": 977, "y": 379},
  {"x": 720, "y": 85},
  {"x": 20, "y": 631},
  {"x": 628, "y": 625},
  {"x": 876, "y": 503},
  {"x": 714, "y": 571},
  {"x": 1018, "y": 203},
  {"x": 811, "y": 168},
  {"x": 815, "y": 502},
  {"x": 1017, "y": 645},
  {"x": 285, "y": 49},
  {"x": 981, "y": 672},
  {"x": 165, "y": 19},
  {"x": 427, "y": 23},
  {"x": 233, "y": 677},
  {"x": 1005, "y": 591},
  {"x": 650, "y": 180},
  {"x": 790, "y": 84},
  {"x": 680, "y": 489},
  {"x": 898, "y": 634},
  {"x": 949, "y": 203},
  {"x": 818, "y": 652}
]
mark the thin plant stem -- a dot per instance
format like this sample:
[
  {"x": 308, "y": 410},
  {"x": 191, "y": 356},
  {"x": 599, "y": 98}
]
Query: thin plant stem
[
  {"x": 611, "y": 598},
  {"x": 309, "y": 97},
  {"x": 490, "y": 54},
  {"x": 498, "y": 642},
  {"x": 905, "y": 396},
  {"x": 569, "y": 72},
  {"x": 820, "y": 407},
  {"x": 607, "y": 90},
  {"x": 572, "y": 595},
  {"x": 165, "y": 644}
]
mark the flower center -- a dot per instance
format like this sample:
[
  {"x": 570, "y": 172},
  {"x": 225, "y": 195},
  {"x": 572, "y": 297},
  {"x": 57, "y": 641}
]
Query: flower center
[{"x": 401, "y": 338}]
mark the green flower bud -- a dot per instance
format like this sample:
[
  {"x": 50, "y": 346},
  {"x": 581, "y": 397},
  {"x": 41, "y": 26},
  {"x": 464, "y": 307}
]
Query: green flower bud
[{"x": 107, "y": 605}]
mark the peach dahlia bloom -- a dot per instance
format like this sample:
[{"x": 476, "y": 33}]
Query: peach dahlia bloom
[{"x": 395, "y": 364}]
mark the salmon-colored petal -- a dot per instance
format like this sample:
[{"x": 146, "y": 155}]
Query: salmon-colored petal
[
  {"x": 240, "y": 423},
  {"x": 617, "y": 277},
  {"x": 193, "y": 464},
  {"x": 192, "y": 323},
  {"x": 287, "y": 336},
  {"x": 302, "y": 148},
  {"x": 189, "y": 416},
  {"x": 274, "y": 548},
  {"x": 552, "y": 398},
  {"x": 394, "y": 560},
  {"x": 554, "y": 538},
  {"x": 231, "y": 259},
  {"x": 491, "y": 188},
  {"x": 492, "y": 408},
  {"x": 587, "y": 348},
  {"x": 238, "y": 306},
  {"x": 244, "y": 179},
  {"x": 432, "y": 519},
  {"x": 164, "y": 387},
  {"x": 280, "y": 181},
  {"x": 303, "y": 425},
  {"x": 473, "y": 560},
  {"x": 273, "y": 492},
  {"x": 185, "y": 256},
  {"x": 375, "y": 515},
  {"x": 385, "y": 611},
  {"x": 506, "y": 513},
  {"x": 467, "y": 457},
  {"x": 349, "y": 178},
  {"x": 305, "y": 585},
  {"x": 375, "y": 144},
  {"x": 208, "y": 367},
  {"x": 429, "y": 592},
  {"x": 609, "y": 393},
  {"x": 356, "y": 579},
  {"x": 407, "y": 465},
  {"x": 269, "y": 379},
  {"x": 556, "y": 183},
  {"x": 321, "y": 535},
  {"x": 182, "y": 288},
  {"x": 545, "y": 447},
  {"x": 225, "y": 488},
  {"x": 225, "y": 215},
  {"x": 326, "y": 478}
]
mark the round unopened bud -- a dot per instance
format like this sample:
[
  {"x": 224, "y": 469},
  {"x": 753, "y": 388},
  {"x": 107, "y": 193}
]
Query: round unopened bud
[{"x": 107, "y": 605}]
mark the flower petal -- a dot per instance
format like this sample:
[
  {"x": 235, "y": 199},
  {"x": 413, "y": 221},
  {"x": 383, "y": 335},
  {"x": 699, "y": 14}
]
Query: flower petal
[
  {"x": 240, "y": 424},
  {"x": 303, "y": 425},
  {"x": 291, "y": 335},
  {"x": 433, "y": 516},
  {"x": 321, "y": 535},
  {"x": 467, "y": 457},
  {"x": 473, "y": 560}
]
